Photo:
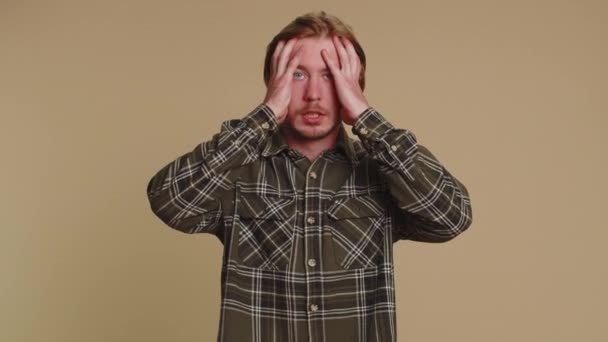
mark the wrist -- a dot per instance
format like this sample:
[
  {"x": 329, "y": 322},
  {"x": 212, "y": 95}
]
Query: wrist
[
  {"x": 274, "y": 109},
  {"x": 355, "y": 113}
]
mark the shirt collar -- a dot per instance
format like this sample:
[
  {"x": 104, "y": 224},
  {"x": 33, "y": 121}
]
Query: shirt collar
[{"x": 276, "y": 144}]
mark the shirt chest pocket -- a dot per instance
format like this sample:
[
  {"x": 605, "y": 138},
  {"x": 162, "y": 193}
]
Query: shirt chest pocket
[
  {"x": 265, "y": 230},
  {"x": 357, "y": 226}
]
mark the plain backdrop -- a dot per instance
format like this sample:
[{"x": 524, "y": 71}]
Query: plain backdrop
[{"x": 96, "y": 96}]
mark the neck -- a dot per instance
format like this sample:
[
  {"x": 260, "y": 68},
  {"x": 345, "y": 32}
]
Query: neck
[{"x": 312, "y": 148}]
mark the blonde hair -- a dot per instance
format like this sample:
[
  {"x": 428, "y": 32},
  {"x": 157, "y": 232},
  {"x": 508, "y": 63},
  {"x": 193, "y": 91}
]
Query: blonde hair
[{"x": 315, "y": 24}]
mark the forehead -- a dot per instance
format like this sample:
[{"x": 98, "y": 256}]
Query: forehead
[{"x": 310, "y": 51}]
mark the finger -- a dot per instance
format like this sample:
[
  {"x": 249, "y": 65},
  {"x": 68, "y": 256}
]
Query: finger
[
  {"x": 354, "y": 58},
  {"x": 343, "y": 57},
  {"x": 345, "y": 43},
  {"x": 285, "y": 55},
  {"x": 293, "y": 64},
  {"x": 275, "y": 57},
  {"x": 332, "y": 64}
]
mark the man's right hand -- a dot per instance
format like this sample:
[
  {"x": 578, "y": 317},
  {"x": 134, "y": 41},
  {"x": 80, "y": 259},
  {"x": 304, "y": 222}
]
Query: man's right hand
[{"x": 283, "y": 65}]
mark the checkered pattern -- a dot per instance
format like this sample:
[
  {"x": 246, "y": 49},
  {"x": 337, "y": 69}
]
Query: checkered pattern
[{"x": 308, "y": 244}]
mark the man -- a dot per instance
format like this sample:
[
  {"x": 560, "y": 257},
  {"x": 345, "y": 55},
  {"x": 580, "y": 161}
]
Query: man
[{"x": 307, "y": 215}]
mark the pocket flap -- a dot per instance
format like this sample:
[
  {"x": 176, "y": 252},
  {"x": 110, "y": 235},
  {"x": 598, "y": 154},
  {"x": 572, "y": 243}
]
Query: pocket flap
[
  {"x": 359, "y": 206},
  {"x": 255, "y": 206}
]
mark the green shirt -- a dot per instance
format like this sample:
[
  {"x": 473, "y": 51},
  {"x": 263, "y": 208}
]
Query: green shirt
[{"x": 308, "y": 245}]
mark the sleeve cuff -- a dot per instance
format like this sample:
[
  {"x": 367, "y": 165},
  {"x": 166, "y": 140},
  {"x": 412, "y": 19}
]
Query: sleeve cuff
[
  {"x": 371, "y": 125},
  {"x": 262, "y": 120}
]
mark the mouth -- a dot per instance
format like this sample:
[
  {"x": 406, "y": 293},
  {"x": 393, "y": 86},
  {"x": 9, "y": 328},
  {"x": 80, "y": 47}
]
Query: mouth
[
  {"x": 312, "y": 117},
  {"x": 312, "y": 114},
  {"x": 313, "y": 111}
]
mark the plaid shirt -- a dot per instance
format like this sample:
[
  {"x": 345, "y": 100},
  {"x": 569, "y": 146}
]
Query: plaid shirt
[{"x": 308, "y": 250}]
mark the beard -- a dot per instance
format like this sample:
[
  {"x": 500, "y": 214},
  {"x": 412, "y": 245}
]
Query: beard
[{"x": 294, "y": 127}]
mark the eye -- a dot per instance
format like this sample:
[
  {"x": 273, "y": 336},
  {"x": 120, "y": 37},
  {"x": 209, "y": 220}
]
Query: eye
[
  {"x": 298, "y": 75},
  {"x": 328, "y": 76}
]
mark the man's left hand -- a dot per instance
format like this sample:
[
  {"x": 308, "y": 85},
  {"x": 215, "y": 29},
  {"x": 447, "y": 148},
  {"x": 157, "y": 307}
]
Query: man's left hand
[{"x": 346, "y": 73}]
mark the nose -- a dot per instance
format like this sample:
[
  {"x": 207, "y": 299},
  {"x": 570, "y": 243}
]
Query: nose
[{"x": 313, "y": 90}]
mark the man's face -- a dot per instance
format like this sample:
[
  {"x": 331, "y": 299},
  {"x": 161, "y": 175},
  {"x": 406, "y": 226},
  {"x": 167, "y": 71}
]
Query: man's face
[{"x": 313, "y": 111}]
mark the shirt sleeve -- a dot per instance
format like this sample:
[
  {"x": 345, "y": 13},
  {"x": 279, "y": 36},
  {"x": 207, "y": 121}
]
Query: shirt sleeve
[
  {"x": 186, "y": 193},
  {"x": 433, "y": 205}
]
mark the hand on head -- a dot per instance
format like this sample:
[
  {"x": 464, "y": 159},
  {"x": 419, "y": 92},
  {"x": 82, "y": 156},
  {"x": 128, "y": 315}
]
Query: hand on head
[
  {"x": 345, "y": 72},
  {"x": 284, "y": 62}
]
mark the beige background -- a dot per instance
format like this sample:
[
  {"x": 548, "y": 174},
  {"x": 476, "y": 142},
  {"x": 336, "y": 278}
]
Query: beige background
[{"x": 95, "y": 97}]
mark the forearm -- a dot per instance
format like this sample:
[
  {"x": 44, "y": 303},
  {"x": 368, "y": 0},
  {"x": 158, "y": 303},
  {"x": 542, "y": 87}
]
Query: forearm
[
  {"x": 186, "y": 193},
  {"x": 435, "y": 206}
]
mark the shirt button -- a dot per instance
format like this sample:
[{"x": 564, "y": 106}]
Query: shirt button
[
  {"x": 363, "y": 130},
  {"x": 310, "y": 220},
  {"x": 312, "y": 262},
  {"x": 313, "y": 175},
  {"x": 394, "y": 148},
  {"x": 265, "y": 125},
  {"x": 314, "y": 307}
]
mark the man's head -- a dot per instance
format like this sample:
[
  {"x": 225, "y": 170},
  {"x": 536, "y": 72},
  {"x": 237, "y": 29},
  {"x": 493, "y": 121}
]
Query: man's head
[
  {"x": 314, "y": 24},
  {"x": 314, "y": 108}
]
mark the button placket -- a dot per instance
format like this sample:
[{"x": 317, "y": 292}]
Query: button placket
[{"x": 312, "y": 222}]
